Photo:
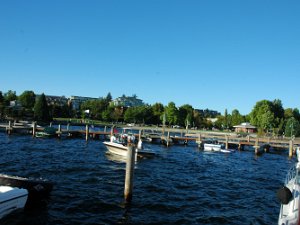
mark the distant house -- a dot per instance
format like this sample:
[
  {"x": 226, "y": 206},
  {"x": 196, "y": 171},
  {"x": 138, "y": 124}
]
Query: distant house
[
  {"x": 78, "y": 100},
  {"x": 126, "y": 101},
  {"x": 245, "y": 127}
]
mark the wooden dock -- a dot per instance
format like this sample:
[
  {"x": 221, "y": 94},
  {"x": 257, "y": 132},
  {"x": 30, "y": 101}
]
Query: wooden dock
[{"x": 199, "y": 137}]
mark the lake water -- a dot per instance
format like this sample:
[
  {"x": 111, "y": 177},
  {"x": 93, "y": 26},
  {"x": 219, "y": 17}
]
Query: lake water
[{"x": 181, "y": 185}]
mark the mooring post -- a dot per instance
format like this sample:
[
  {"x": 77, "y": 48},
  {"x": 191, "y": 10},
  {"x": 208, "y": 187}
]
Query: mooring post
[
  {"x": 256, "y": 147},
  {"x": 59, "y": 130},
  {"x": 199, "y": 140},
  {"x": 9, "y": 128},
  {"x": 68, "y": 126},
  {"x": 291, "y": 146},
  {"x": 129, "y": 173},
  {"x": 226, "y": 144},
  {"x": 140, "y": 134},
  {"x": 86, "y": 132},
  {"x": 33, "y": 128},
  {"x": 105, "y": 129},
  {"x": 168, "y": 138}
]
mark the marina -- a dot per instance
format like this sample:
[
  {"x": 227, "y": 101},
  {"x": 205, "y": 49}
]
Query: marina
[
  {"x": 166, "y": 136},
  {"x": 180, "y": 185}
]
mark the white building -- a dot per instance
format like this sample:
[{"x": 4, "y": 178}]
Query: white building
[{"x": 127, "y": 101}]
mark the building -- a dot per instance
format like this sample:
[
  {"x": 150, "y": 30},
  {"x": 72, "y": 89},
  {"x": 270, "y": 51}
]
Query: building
[
  {"x": 56, "y": 100},
  {"x": 127, "y": 101},
  {"x": 245, "y": 128},
  {"x": 76, "y": 101}
]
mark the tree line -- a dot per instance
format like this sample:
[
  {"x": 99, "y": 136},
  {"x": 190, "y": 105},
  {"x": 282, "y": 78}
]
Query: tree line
[{"x": 268, "y": 116}]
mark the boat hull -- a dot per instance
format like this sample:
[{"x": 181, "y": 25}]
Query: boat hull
[
  {"x": 119, "y": 149},
  {"x": 37, "y": 188},
  {"x": 289, "y": 210},
  {"x": 212, "y": 147},
  {"x": 11, "y": 199}
]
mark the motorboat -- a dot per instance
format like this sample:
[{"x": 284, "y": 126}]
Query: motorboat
[
  {"x": 118, "y": 147},
  {"x": 37, "y": 188},
  {"x": 46, "y": 133},
  {"x": 11, "y": 199},
  {"x": 153, "y": 138},
  {"x": 289, "y": 196},
  {"x": 212, "y": 145}
]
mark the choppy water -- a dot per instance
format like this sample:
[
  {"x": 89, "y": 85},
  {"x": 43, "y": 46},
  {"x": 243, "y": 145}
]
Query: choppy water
[{"x": 182, "y": 185}]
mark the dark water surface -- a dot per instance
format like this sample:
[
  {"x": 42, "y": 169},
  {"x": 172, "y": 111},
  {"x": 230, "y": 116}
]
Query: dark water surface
[{"x": 182, "y": 185}]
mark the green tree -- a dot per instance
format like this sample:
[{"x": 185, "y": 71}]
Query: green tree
[
  {"x": 108, "y": 98},
  {"x": 236, "y": 117},
  {"x": 292, "y": 127},
  {"x": 185, "y": 115},
  {"x": 10, "y": 96},
  {"x": 172, "y": 113},
  {"x": 27, "y": 99},
  {"x": 262, "y": 115},
  {"x": 41, "y": 110},
  {"x": 157, "y": 111}
]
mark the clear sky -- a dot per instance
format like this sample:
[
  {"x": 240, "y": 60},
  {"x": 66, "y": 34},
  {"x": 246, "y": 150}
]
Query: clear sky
[{"x": 212, "y": 54}]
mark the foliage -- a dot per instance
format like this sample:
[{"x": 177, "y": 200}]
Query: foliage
[
  {"x": 27, "y": 99},
  {"x": 172, "y": 113},
  {"x": 292, "y": 127},
  {"x": 41, "y": 110},
  {"x": 185, "y": 115},
  {"x": 10, "y": 96}
]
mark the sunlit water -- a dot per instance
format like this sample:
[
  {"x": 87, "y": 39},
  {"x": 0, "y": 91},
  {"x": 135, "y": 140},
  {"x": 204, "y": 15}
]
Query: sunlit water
[{"x": 181, "y": 185}]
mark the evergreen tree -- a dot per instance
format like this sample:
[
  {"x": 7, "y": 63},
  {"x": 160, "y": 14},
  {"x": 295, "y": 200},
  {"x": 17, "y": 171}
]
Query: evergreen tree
[{"x": 41, "y": 110}]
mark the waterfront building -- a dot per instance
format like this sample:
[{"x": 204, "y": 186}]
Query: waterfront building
[
  {"x": 126, "y": 101},
  {"x": 56, "y": 100},
  {"x": 245, "y": 127},
  {"x": 76, "y": 101}
]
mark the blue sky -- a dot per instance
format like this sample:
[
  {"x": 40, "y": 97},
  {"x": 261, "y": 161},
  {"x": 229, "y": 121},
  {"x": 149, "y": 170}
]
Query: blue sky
[{"x": 211, "y": 54}]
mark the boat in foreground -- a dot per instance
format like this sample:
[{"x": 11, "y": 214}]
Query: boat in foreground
[
  {"x": 37, "y": 188},
  {"x": 11, "y": 199},
  {"x": 289, "y": 197},
  {"x": 121, "y": 149}
]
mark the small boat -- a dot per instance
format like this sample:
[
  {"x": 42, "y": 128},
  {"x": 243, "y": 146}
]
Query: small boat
[
  {"x": 154, "y": 138},
  {"x": 46, "y": 133},
  {"x": 37, "y": 188},
  {"x": 289, "y": 198},
  {"x": 11, "y": 199},
  {"x": 212, "y": 145},
  {"x": 119, "y": 147}
]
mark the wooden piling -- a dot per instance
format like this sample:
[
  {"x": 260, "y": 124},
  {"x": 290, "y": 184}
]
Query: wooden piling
[
  {"x": 9, "y": 128},
  {"x": 33, "y": 128},
  {"x": 168, "y": 139},
  {"x": 86, "y": 132},
  {"x": 226, "y": 143},
  {"x": 291, "y": 146},
  {"x": 59, "y": 130},
  {"x": 129, "y": 173},
  {"x": 256, "y": 147}
]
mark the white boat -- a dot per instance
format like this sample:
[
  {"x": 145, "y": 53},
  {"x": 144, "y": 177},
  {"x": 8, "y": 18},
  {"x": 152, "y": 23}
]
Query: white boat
[
  {"x": 212, "y": 147},
  {"x": 289, "y": 196},
  {"x": 11, "y": 199},
  {"x": 118, "y": 148}
]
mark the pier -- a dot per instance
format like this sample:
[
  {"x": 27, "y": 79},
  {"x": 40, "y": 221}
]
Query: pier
[{"x": 166, "y": 136}]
